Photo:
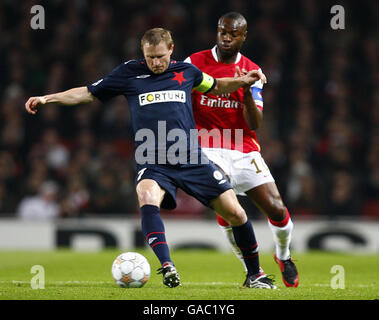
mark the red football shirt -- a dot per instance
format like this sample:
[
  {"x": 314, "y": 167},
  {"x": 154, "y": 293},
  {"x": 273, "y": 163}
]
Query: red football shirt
[{"x": 219, "y": 119}]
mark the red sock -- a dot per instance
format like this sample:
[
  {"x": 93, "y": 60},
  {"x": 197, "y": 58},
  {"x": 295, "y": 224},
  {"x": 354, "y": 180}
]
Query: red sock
[{"x": 281, "y": 223}]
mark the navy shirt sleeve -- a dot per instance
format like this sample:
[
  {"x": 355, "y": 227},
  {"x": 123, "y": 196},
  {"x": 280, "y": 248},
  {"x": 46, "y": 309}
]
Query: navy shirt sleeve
[
  {"x": 110, "y": 86},
  {"x": 203, "y": 82}
]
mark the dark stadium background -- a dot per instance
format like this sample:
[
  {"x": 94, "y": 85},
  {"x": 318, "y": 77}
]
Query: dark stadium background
[{"x": 320, "y": 135}]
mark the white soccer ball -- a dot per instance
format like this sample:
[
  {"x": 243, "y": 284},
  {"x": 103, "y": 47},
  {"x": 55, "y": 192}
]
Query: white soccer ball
[{"x": 131, "y": 270}]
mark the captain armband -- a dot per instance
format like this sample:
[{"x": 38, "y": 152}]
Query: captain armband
[{"x": 207, "y": 84}]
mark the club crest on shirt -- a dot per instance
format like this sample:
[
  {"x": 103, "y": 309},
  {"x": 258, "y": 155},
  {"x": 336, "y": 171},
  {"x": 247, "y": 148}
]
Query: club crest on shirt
[{"x": 217, "y": 175}]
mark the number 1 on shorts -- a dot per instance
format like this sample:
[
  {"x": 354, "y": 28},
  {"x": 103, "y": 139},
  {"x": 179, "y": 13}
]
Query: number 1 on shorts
[{"x": 140, "y": 173}]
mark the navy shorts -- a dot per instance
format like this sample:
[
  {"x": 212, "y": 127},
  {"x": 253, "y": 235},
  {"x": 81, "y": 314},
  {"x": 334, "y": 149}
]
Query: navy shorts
[{"x": 204, "y": 182}]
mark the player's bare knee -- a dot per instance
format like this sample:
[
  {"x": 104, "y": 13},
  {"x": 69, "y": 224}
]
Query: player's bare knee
[
  {"x": 147, "y": 196},
  {"x": 237, "y": 217},
  {"x": 144, "y": 197}
]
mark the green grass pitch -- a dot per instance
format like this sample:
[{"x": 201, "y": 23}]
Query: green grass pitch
[{"x": 205, "y": 275}]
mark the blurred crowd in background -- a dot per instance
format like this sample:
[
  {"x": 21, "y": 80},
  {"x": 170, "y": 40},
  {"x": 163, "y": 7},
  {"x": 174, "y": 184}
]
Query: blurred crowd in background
[{"x": 320, "y": 134}]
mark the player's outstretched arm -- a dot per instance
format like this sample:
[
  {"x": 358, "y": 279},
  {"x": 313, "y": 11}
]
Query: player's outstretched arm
[
  {"x": 70, "y": 97},
  {"x": 227, "y": 85}
]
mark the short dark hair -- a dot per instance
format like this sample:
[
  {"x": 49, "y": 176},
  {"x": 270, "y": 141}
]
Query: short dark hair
[
  {"x": 155, "y": 36},
  {"x": 234, "y": 16}
]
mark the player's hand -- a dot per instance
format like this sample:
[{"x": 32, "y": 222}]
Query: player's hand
[
  {"x": 252, "y": 76},
  {"x": 33, "y": 104},
  {"x": 240, "y": 73}
]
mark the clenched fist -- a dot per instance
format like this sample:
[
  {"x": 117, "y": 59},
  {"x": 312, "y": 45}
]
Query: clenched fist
[{"x": 33, "y": 104}]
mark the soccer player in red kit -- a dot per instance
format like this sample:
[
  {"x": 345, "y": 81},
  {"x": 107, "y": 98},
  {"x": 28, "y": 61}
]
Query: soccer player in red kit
[{"x": 226, "y": 127}]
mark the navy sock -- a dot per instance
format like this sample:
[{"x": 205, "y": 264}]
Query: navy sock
[
  {"x": 154, "y": 232},
  {"x": 245, "y": 240}
]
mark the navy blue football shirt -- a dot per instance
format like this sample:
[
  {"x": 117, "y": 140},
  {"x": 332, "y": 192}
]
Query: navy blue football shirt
[{"x": 161, "y": 108}]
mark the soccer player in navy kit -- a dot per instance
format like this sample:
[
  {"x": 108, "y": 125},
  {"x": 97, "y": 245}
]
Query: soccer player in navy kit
[{"x": 158, "y": 90}]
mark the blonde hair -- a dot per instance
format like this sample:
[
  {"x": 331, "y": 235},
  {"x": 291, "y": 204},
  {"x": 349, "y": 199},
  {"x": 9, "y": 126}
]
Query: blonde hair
[{"x": 155, "y": 36}]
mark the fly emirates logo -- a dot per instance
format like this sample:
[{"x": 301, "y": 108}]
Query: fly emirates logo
[
  {"x": 220, "y": 102},
  {"x": 162, "y": 96}
]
